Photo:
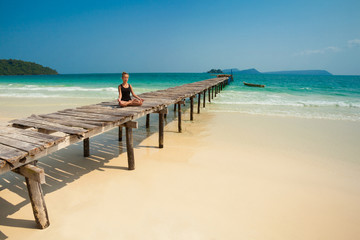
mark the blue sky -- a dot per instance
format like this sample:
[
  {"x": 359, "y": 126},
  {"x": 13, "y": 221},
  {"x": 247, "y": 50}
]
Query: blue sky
[{"x": 182, "y": 36}]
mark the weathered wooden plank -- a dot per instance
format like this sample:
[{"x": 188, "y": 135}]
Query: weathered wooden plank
[
  {"x": 2, "y": 163},
  {"x": 48, "y": 126},
  {"x": 71, "y": 118},
  {"x": 31, "y": 133},
  {"x": 90, "y": 114},
  {"x": 31, "y": 148},
  {"x": 11, "y": 155},
  {"x": 32, "y": 172},
  {"x": 67, "y": 122},
  {"x": 24, "y": 138}
]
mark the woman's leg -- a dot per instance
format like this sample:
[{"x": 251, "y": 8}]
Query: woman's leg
[
  {"x": 135, "y": 102},
  {"x": 124, "y": 103}
]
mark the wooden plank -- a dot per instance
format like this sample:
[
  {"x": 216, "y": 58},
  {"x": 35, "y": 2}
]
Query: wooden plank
[
  {"x": 66, "y": 122},
  {"x": 2, "y": 163},
  {"x": 31, "y": 133},
  {"x": 24, "y": 138},
  {"x": 61, "y": 117},
  {"x": 10, "y": 154},
  {"x": 32, "y": 172},
  {"x": 131, "y": 124},
  {"x": 92, "y": 114},
  {"x": 31, "y": 148},
  {"x": 48, "y": 126}
]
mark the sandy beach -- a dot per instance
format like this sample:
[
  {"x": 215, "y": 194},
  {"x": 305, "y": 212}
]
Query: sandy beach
[{"x": 227, "y": 176}]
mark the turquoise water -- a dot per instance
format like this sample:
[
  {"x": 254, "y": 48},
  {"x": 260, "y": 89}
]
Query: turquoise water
[{"x": 328, "y": 97}]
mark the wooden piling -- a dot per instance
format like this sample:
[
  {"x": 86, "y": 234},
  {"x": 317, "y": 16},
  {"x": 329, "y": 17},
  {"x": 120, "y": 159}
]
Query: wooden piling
[
  {"x": 36, "y": 195},
  {"x": 147, "y": 120},
  {"x": 120, "y": 133},
  {"x": 175, "y": 107},
  {"x": 212, "y": 92},
  {"x": 129, "y": 143},
  {"x": 204, "y": 98},
  {"x": 191, "y": 108},
  {"x": 161, "y": 130},
  {"x": 199, "y": 100},
  {"x": 179, "y": 117},
  {"x": 162, "y": 114},
  {"x": 209, "y": 96},
  {"x": 86, "y": 147}
]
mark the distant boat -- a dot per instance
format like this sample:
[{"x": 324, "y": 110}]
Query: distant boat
[{"x": 253, "y": 85}]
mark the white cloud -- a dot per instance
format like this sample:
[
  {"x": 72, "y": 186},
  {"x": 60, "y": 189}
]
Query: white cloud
[
  {"x": 318, "y": 51},
  {"x": 354, "y": 43}
]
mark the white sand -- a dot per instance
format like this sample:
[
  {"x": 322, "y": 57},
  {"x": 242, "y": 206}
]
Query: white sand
[{"x": 227, "y": 176}]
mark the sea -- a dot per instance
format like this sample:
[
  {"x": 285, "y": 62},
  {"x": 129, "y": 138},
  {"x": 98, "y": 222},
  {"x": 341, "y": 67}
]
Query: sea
[{"x": 304, "y": 96}]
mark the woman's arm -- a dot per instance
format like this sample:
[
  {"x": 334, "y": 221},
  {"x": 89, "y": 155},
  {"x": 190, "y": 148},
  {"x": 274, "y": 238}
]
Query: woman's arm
[
  {"x": 135, "y": 96},
  {"x": 119, "y": 89}
]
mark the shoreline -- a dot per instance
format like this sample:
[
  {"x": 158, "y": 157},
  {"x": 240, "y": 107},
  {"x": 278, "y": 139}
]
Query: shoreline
[{"x": 226, "y": 176}]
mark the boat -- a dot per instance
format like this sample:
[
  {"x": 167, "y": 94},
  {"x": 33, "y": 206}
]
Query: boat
[{"x": 253, "y": 85}]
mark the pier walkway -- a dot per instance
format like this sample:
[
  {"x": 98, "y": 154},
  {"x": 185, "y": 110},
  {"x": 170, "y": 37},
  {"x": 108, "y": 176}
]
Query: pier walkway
[{"x": 26, "y": 140}]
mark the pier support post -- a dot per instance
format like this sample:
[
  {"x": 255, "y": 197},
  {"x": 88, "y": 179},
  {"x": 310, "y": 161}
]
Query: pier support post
[
  {"x": 179, "y": 115},
  {"x": 175, "y": 107},
  {"x": 209, "y": 96},
  {"x": 199, "y": 100},
  {"x": 204, "y": 100},
  {"x": 215, "y": 90},
  {"x": 34, "y": 177},
  {"x": 212, "y": 92},
  {"x": 129, "y": 143},
  {"x": 86, "y": 142},
  {"x": 120, "y": 133},
  {"x": 161, "y": 126},
  {"x": 148, "y": 120},
  {"x": 191, "y": 108}
]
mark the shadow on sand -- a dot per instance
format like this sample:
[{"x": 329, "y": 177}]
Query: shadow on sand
[{"x": 64, "y": 167}]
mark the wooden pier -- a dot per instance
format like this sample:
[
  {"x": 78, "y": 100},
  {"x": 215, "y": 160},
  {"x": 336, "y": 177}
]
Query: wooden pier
[{"x": 26, "y": 140}]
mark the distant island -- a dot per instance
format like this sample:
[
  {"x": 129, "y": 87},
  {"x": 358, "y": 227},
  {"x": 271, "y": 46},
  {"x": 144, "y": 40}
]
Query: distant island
[
  {"x": 294, "y": 72},
  {"x": 19, "y": 67},
  {"x": 215, "y": 71}
]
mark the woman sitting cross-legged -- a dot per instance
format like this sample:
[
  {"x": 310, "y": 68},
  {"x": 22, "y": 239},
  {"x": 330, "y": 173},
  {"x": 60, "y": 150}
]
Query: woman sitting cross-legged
[{"x": 124, "y": 93}]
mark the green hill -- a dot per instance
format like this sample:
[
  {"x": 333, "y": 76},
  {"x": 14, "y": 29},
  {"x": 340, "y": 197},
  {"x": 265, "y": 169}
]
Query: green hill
[{"x": 18, "y": 67}]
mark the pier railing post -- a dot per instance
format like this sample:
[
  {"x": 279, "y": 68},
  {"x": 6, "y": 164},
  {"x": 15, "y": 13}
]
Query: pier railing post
[
  {"x": 129, "y": 143},
  {"x": 199, "y": 100},
  {"x": 86, "y": 143}
]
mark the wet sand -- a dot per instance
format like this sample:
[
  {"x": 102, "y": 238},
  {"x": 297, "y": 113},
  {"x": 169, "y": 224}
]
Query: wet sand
[{"x": 227, "y": 176}]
